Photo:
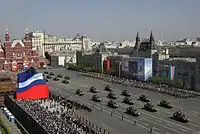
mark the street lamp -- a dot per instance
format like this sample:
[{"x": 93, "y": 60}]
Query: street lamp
[{"x": 119, "y": 67}]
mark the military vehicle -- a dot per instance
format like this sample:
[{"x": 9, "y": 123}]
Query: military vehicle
[
  {"x": 49, "y": 77},
  {"x": 132, "y": 111},
  {"x": 45, "y": 72},
  {"x": 96, "y": 98},
  {"x": 59, "y": 75},
  {"x": 65, "y": 81},
  {"x": 108, "y": 88},
  {"x": 150, "y": 107},
  {"x": 112, "y": 95},
  {"x": 56, "y": 79},
  {"x": 128, "y": 101},
  {"x": 179, "y": 116},
  {"x": 166, "y": 104},
  {"x": 51, "y": 73},
  {"x": 126, "y": 93},
  {"x": 67, "y": 78},
  {"x": 79, "y": 92},
  {"x": 144, "y": 98},
  {"x": 93, "y": 90},
  {"x": 112, "y": 104}
]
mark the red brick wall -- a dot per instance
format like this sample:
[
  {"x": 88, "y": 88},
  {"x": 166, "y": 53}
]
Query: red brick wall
[
  {"x": 1, "y": 54},
  {"x": 19, "y": 55}
]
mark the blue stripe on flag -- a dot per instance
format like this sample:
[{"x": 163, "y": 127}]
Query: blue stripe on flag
[{"x": 26, "y": 75}]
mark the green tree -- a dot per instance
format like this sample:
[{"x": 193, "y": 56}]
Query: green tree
[{"x": 167, "y": 81}]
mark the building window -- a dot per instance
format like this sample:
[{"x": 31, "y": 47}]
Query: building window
[{"x": 18, "y": 54}]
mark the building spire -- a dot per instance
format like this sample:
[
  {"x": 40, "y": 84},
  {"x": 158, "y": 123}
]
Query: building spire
[
  {"x": 151, "y": 34},
  {"x": 7, "y": 31},
  {"x": 151, "y": 40},
  {"x": 26, "y": 35},
  {"x": 26, "y": 31},
  {"x": 137, "y": 42},
  {"x": 137, "y": 35},
  {"x": 7, "y": 36}
]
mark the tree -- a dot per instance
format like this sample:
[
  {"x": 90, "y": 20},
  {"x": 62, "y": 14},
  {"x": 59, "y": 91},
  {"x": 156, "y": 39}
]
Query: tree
[{"x": 167, "y": 81}]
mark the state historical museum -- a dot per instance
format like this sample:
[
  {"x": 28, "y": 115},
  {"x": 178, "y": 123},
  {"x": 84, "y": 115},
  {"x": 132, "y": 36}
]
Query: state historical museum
[{"x": 18, "y": 54}]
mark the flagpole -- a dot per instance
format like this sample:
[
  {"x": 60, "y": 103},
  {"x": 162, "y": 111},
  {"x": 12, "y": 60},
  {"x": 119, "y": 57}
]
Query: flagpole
[{"x": 43, "y": 46}]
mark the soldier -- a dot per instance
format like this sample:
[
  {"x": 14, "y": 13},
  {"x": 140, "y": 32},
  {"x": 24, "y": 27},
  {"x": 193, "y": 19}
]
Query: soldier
[{"x": 151, "y": 130}]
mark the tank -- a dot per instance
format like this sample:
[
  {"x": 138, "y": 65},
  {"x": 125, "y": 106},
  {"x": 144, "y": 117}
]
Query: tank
[
  {"x": 179, "y": 116},
  {"x": 150, "y": 107}
]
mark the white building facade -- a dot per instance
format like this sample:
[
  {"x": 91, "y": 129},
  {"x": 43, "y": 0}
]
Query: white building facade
[
  {"x": 37, "y": 41},
  {"x": 54, "y": 44},
  {"x": 127, "y": 43}
]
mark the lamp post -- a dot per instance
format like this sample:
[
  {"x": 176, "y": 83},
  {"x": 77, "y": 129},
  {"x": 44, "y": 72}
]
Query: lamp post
[
  {"x": 82, "y": 59},
  {"x": 119, "y": 67}
]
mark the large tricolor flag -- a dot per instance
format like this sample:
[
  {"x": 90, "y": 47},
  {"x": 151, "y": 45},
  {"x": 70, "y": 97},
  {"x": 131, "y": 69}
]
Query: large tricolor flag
[{"x": 31, "y": 85}]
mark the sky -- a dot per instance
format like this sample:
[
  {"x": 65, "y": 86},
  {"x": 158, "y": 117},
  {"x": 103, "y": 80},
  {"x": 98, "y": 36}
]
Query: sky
[{"x": 102, "y": 19}]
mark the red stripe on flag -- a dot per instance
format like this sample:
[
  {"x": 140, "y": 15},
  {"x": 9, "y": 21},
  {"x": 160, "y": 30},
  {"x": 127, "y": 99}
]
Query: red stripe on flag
[{"x": 35, "y": 92}]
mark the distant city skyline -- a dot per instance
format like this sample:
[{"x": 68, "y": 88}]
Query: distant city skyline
[{"x": 102, "y": 20}]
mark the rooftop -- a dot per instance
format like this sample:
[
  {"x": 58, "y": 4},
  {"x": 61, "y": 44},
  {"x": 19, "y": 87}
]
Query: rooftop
[
  {"x": 183, "y": 59},
  {"x": 62, "y": 54}
]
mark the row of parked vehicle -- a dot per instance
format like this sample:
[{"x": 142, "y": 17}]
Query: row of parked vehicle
[
  {"x": 128, "y": 100},
  {"x": 56, "y": 78}
]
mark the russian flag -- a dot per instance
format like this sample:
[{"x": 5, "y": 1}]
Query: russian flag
[{"x": 31, "y": 85}]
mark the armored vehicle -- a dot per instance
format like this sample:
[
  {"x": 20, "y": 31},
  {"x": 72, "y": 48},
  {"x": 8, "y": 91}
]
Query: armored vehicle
[
  {"x": 165, "y": 104},
  {"x": 144, "y": 98},
  {"x": 79, "y": 92},
  {"x": 112, "y": 95},
  {"x": 112, "y": 104},
  {"x": 96, "y": 98},
  {"x": 128, "y": 101},
  {"x": 150, "y": 107},
  {"x": 132, "y": 111},
  {"x": 179, "y": 116},
  {"x": 126, "y": 93},
  {"x": 93, "y": 90},
  {"x": 108, "y": 88}
]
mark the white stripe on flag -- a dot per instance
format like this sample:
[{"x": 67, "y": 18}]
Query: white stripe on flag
[{"x": 35, "y": 77}]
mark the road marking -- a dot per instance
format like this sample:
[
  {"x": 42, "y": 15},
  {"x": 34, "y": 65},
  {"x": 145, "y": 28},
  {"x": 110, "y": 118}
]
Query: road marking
[
  {"x": 144, "y": 123},
  {"x": 168, "y": 121},
  {"x": 170, "y": 125},
  {"x": 159, "y": 121},
  {"x": 107, "y": 111},
  {"x": 135, "y": 96},
  {"x": 173, "y": 130},
  {"x": 158, "y": 117},
  {"x": 195, "y": 112},
  {"x": 194, "y": 125},
  {"x": 152, "y": 115},
  {"x": 165, "y": 126},
  {"x": 119, "y": 116}
]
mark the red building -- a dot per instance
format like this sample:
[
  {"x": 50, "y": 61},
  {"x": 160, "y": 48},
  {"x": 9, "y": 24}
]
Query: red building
[{"x": 18, "y": 54}]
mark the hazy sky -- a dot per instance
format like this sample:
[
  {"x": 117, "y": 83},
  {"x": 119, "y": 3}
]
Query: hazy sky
[{"x": 102, "y": 19}]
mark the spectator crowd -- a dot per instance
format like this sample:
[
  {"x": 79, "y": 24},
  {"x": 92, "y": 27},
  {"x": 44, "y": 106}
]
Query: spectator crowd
[
  {"x": 56, "y": 116},
  {"x": 159, "y": 88}
]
